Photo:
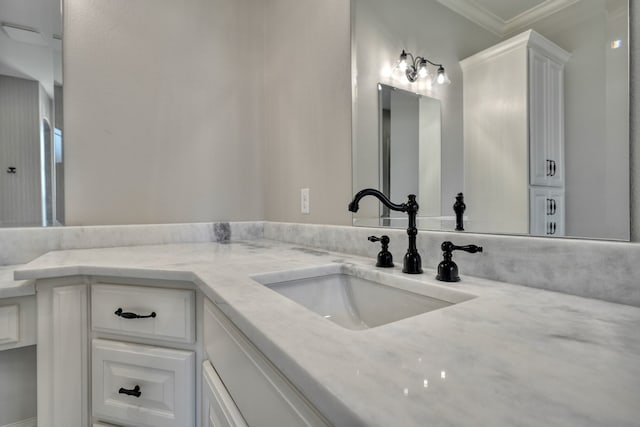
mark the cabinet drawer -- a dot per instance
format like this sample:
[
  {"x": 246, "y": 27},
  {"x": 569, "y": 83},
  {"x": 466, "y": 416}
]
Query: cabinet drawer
[
  {"x": 143, "y": 385},
  {"x": 172, "y": 311},
  {"x": 17, "y": 322},
  {"x": 262, "y": 394},
  {"x": 219, "y": 409}
]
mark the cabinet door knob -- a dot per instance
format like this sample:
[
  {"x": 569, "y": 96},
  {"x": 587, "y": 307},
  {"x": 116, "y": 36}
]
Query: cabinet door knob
[
  {"x": 135, "y": 392},
  {"x": 128, "y": 315}
]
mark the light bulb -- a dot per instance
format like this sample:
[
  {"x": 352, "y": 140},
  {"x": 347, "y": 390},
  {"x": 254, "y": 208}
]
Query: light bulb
[
  {"x": 403, "y": 61},
  {"x": 442, "y": 77},
  {"x": 422, "y": 69}
]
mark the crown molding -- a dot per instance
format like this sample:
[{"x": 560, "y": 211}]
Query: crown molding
[{"x": 471, "y": 10}]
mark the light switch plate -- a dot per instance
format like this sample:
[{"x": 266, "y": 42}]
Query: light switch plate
[{"x": 304, "y": 201}]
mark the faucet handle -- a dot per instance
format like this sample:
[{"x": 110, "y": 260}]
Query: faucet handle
[
  {"x": 385, "y": 258},
  {"x": 448, "y": 269},
  {"x": 450, "y": 247},
  {"x": 382, "y": 239}
]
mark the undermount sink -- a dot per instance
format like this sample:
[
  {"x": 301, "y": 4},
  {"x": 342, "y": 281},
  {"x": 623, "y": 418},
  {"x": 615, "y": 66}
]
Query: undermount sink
[{"x": 359, "y": 298}]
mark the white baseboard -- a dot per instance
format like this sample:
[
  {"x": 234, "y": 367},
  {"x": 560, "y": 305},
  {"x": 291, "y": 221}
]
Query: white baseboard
[{"x": 31, "y": 422}]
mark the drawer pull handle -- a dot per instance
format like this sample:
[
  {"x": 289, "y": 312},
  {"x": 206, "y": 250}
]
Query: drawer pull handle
[
  {"x": 135, "y": 392},
  {"x": 128, "y": 315}
]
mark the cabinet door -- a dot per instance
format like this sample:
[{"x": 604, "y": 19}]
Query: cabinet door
[
  {"x": 555, "y": 213},
  {"x": 546, "y": 121},
  {"x": 539, "y": 164},
  {"x": 219, "y": 409},
  {"x": 554, "y": 146},
  {"x": 270, "y": 400},
  {"x": 547, "y": 212}
]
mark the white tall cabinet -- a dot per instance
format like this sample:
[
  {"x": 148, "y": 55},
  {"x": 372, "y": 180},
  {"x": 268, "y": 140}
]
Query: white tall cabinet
[{"x": 514, "y": 137}]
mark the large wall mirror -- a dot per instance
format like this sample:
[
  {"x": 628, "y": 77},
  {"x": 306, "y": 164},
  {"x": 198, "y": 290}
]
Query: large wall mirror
[
  {"x": 533, "y": 127},
  {"x": 31, "y": 116}
]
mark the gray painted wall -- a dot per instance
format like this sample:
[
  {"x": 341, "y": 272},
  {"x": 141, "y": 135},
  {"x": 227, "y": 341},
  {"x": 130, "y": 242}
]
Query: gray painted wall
[
  {"x": 307, "y": 110},
  {"x": 162, "y": 111}
]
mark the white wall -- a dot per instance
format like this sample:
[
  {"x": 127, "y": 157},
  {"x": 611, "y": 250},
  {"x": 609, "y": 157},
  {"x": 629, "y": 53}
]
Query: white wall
[{"x": 162, "y": 111}]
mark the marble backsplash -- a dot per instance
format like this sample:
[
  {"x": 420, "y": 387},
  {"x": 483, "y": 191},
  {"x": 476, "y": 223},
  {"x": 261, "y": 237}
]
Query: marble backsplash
[
  {"x": 21, "y": 245},
  {"x": 595, "y": 269},
  {"x": 604, "y": 270}
]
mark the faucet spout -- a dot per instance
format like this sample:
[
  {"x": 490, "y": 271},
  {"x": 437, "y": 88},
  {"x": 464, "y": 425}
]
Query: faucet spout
[
  {"x": 412, "y": 260},
  {"x": 354, "y": 205}
]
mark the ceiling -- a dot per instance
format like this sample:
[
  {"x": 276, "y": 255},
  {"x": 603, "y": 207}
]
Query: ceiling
[
  {"x": 38, "y": 60},
  {"x": 503, "y": 17}
]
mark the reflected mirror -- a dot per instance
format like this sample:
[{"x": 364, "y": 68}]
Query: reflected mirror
[
  {"x": 31, "y": 129},
  {"x": 409, "y": 144},
  {"x": 534, "y": 127}
]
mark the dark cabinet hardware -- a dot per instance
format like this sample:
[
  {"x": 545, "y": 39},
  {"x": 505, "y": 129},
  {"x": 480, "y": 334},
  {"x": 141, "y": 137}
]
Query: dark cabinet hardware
[
  {"x": 128, "y": 315},
  {"x": 412, "y": 262},
  {"x": 551, "y": 228},
  {"x": 552, "y": 207},
  {"x": 11, "y": 169},
  {"x": 447, "y": 269},
  {"x": 551, "y": 167},
  {"x": 385, "y": 259},
  {"x": 459, "y": 207},
  {"x": 135, "y": 392}
]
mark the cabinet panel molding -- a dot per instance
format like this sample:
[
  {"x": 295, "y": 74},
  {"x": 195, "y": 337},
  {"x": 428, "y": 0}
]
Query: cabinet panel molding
[
  {"x": 173, "y": 312},
  {"x": 143, "y": 385},
  {"x": 17, "y": 322}
]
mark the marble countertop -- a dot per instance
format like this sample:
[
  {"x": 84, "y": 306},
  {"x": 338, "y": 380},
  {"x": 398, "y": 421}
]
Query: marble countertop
[
  {"x": 511, "y": 356},
  {"x": 10, "y": 288}
]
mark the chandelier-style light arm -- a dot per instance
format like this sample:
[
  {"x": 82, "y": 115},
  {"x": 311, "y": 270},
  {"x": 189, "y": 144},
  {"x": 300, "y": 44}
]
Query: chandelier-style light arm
[{"x": 417, "y": 68}]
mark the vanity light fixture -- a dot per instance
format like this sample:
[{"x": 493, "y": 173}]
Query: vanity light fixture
[{"x": 415, "y": 68}]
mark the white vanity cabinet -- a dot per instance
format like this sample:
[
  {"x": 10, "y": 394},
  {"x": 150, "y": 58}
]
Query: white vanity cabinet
[
  {"x": 513, "y": 106},
  {"x": 145, "y": 353},
  {"x": 116, "y": 353}
]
